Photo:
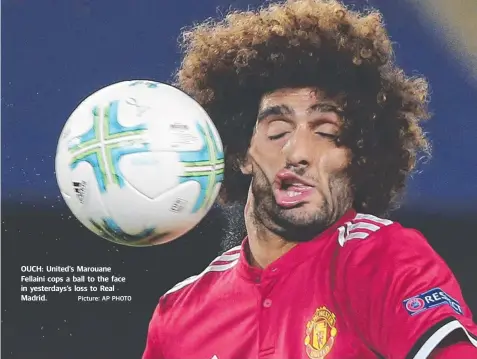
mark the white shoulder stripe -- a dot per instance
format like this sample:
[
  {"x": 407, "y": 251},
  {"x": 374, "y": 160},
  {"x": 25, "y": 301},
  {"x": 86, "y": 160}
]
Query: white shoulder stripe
[
  {"x": 363, "y": 225},
  {"x": 342, "y": 234},
  {"x": 212, "y": 268},
  {"x": 227, "y": 257},
  {"x": 232, "y": 260},
  {"x": 438, "y": 336},
  {"x": 356, "y": 235},
  {"x": 370, "y": 217},
  {"x": 233, "y": 249},
  {"x": 361, "y": 229}
]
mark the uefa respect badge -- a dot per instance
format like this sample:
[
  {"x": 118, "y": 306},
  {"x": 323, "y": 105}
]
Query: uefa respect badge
[{"x": 432, "y": 298}]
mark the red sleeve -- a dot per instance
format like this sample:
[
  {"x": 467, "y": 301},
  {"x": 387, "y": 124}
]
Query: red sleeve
[
  {"x": 400, "y": 295},
  {"x": 462, "y": 350},
  {"x": 153, "y": 344}
]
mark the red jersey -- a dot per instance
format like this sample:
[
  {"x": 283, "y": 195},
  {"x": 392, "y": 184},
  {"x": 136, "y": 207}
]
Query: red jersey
[{"x": 365, "y": 288}]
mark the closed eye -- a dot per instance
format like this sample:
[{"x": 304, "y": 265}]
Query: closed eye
[
  {"x": 277, "y": 136},
  {"x": 331, "y": 136}
]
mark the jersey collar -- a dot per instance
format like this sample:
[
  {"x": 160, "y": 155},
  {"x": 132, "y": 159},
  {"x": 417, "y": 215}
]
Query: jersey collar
[{"x": 292, "y": 258}]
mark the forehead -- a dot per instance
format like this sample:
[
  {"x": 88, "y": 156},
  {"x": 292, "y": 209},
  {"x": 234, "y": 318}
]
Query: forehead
[{"x": 293, "y": 97}]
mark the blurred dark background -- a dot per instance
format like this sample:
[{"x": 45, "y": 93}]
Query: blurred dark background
[{"x": 55, "y": 53}]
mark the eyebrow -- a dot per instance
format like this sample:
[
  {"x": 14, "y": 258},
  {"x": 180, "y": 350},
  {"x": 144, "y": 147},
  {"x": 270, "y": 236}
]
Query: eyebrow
[
  {"x": 274, "y": 111},
  {"x": 324, "y": 107},
  {"x": 280, "y": 110}
]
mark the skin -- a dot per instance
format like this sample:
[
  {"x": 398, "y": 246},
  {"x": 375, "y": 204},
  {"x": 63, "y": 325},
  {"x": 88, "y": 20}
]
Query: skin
[{"x": 296, "y": 131}]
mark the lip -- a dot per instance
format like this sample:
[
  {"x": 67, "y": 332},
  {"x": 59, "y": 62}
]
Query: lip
[
  {"x": 287, "y": 175},
  {"x": 287, "y": 198}
]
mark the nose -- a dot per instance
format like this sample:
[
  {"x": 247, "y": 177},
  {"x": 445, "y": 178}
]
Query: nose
[{"x": 298, "y": 150}]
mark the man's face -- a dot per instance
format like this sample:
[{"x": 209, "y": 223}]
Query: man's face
[{"x": 299, "y": 185}]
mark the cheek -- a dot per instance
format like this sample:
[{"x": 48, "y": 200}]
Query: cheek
[
  {"x": 266, "y": 158},
  {"x": 334, "y": 161}
]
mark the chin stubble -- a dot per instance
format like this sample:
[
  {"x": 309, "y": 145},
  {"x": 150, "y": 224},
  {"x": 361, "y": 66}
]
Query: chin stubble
[{"x": 291, "y": 226}]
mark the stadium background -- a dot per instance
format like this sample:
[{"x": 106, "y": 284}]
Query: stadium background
[{"x": 57, "y": 52}]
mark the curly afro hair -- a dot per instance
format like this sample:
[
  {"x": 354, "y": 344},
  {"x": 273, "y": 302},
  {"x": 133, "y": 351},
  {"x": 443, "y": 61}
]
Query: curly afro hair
[{"x": 230, "y": 64}]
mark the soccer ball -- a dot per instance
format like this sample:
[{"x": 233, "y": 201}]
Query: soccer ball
[{"x": 139, "y": 163}]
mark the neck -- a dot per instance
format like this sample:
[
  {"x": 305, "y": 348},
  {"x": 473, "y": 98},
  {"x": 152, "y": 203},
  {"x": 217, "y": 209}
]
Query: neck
[{"x": 265, "y": 246}]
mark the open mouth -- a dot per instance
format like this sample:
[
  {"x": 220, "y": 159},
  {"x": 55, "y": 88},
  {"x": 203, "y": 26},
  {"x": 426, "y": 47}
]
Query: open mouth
[{"x": 290, "y": 189}]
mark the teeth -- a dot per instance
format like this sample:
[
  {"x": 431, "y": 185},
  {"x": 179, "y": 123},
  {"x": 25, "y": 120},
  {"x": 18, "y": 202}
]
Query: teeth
[
  {"x": 293, "y": 193},
  {"x": 297, "y": 184}
]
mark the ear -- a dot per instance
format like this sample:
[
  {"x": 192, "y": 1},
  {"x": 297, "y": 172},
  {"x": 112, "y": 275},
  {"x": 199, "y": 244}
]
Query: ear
[
  {"x": 246, "y": 165},
  {"x": 249, "y": 202}
]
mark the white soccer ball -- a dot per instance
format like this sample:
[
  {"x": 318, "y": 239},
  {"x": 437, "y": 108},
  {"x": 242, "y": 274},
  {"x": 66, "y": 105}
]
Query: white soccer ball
[{"x": 139, "y": 163}]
